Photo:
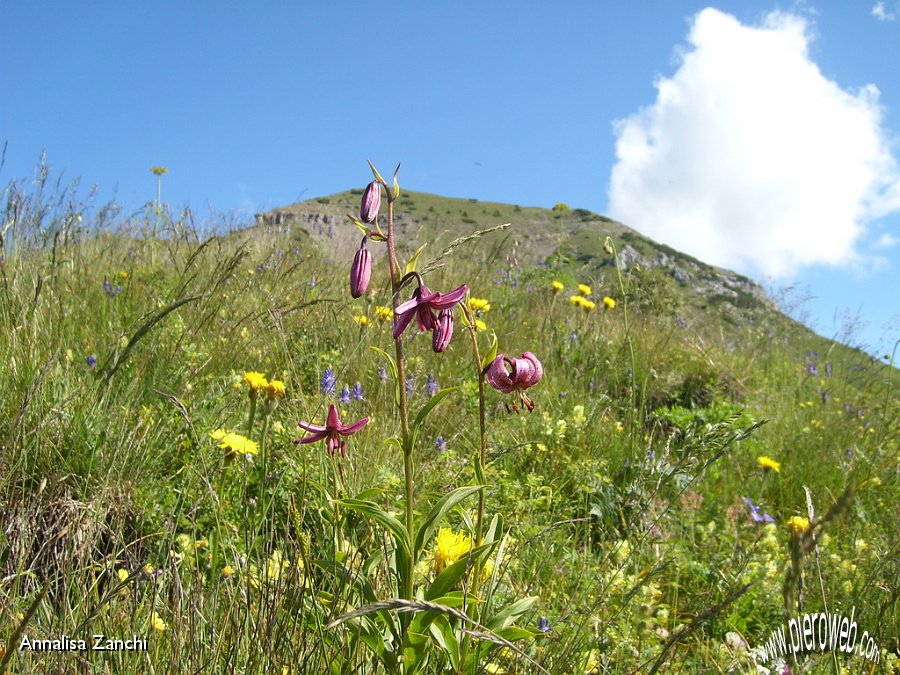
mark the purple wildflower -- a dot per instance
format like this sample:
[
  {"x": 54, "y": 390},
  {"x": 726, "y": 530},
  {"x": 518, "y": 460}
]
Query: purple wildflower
[
  {"x": 370, "y": 203},
  {"x": 357, "y": 392},
  {"x": 326, "y": 384},
  {"x": 360, "y": 270},
  {"x": 812, "y": 369},
  {"x": 422, "y": 306},
  {"x": 507, "y": 375},
  {"x": 91, "y": 361},
  {"x": 331, "y": 432},
  {"x": 440, "y": 443},
  {"x": 344, "y": 398},
  {"x": 755, "y": 514},
  {"x": 382, "y": 374},
  {"x": 543, "y": 624},
  {"x": 410, "y": 385},
  {"x": 431, "y": 386}
]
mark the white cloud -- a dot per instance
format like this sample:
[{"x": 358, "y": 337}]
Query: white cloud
[
  {"x": 880, "y": 12},
  {"x": 886, "y": 240},
  {"x": 750, "y": 158}
]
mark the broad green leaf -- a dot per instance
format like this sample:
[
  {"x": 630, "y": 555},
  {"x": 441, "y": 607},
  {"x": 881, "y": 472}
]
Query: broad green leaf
[
  {"x": 373, "y": 511},
  {"x": 376, "y": 174},
  {"x": 445, "y": 635},
  {"x": 396, "y": 192},
  {"x": 510, "y": 613},
  {"x": 415, "y": 652},
  {"x": 491, "y": 353},
  {"x": 513, "y": 633},
  {"x": 446, "y": 580},
  {"x": 396, "y": 377},
  {"x": 360, "y": 225},
  {"x": 439, "y": 510},
  {"x": 427, "y": 408},
  {"x": 411, "y": 265}
]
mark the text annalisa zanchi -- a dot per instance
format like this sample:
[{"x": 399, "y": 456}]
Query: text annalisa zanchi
[
  {"x": 97, "y": 643},
  {"x": 822, "y": 631}
]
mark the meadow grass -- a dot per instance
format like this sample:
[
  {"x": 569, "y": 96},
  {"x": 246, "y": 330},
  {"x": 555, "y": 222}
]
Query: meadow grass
[{"x": 621, "y": 539}]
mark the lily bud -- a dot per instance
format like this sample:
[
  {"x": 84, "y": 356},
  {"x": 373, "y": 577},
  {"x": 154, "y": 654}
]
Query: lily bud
[
  {"x": 371, "y": 202},
  {"x": 443, "y": 330},
  {"x": 360, "y": 271}
]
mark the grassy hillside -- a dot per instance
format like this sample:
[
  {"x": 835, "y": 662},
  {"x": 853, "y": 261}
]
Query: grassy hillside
[{"x": 614, "y": 532}]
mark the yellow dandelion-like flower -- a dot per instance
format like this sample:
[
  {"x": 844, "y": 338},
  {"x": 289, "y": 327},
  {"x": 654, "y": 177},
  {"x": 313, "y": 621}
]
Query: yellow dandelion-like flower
[
  {"x": 227, "y": 571},
  {"x": 157, "y": 624},
  {"x": 479, "y": 304},
  {"x": 480, "y": 325},
  {"x": 149, "y": 569},
  {"x": 361, "y": 320},
  {"x": 609, "y": 303},
  {"x": 449, "y": 547},
  {"x": 588, "y": 305},
  {"x": 798, "y": 524},
  {"x": 234, "y": 443},
  {"x": 577, "y": 300},
  {"x": 256, "y": 381},
  {"x": 276, "y": 389},
  {"x": 584, "y": 289},
  {"x": 384, "y": 313},
  {"x": 592, "y": 664},
  {"x": 767, "y": 463},
  {"x": 122, "y": 574},
  {"x": 123, "y": 275},
  {"x": 557, "y": 286}
]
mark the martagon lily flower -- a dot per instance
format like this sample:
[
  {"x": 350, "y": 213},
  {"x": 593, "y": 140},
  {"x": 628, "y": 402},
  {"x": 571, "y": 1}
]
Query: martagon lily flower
[
  {"x": 422, "y": 305},
  {"x": 507, "y": 375},
  {"x": 332, "y": 432}
]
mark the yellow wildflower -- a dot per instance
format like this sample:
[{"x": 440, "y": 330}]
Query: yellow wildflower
[
  {"x": 157, "y": 624},
  {"x": 122, "y": 574},
  {"x": 227, "y": 571},
  {"x": 480, "y": 325},
  {"x": 384, "y": 313},
  {"x": 557, "y": 286},
  {"x": 256, "y": 381},
  {"x": 584, "y": 289},
  {"x": 798, "y": 524},
  {"x": 588, "y": 305},
  {"x": 609, "y": 303},
  {"x": 123, "y": 275},
  {"x": 235, "y": 443},
  {"x": 149, "y": 569},
  {"x": 361, "y": 320},
  {"x": 449, "y": 547},
  {"x": 593, "y": 662},
  {"x": 577, "y": 300},
  {"x": 479, "y": 304},
  {"x": 766, "y": 462},
  {"x": 276, "y": 389}
]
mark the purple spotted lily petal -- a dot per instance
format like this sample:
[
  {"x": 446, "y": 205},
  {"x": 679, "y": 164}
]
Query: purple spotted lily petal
[
  {"x": 332, "y": 432},
  {"x": 422, "y": 305}
]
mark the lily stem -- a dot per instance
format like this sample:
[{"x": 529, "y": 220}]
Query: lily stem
[{"x": 404, "y": 406}]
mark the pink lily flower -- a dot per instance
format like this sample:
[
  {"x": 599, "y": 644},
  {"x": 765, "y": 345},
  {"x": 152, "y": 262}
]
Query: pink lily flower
[
  {"x": 443, "y": 330},
  {"x": 332, "y": 431},
  {"x": 422, "y": 305},
  {"x": 507, "y": 375}
]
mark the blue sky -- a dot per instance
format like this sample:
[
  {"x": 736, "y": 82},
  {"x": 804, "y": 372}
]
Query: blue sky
[{"x": 761, "y": 137}]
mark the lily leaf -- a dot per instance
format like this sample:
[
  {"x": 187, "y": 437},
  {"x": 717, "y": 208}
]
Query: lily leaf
[
  {"x": 411, "y": 265},
  {"x": 439, "y": 510}
]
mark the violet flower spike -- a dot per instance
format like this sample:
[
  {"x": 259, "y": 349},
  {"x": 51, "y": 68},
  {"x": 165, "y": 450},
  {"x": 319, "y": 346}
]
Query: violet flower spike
[
  {"x": 508, "y": 375},
  {"x": 360, "y": 271},
  {"x": 332, "y": 432},
  {"x": 422, "y": 305},
  {"x": 370, "y": 203},
  {"x": 443, "y": 330}
]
